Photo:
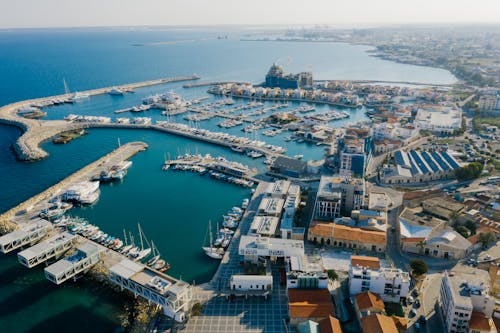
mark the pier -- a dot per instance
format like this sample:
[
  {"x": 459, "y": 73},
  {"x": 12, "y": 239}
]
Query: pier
[
  {"x": 24, "y": 212},
  {"x": 45, "y": 243},
  {"x": 51, "y": 248},
  {"x": 86, "y": 256},
  {"x": 36, "y": 131},
  {"x": 27, "y": 234}
]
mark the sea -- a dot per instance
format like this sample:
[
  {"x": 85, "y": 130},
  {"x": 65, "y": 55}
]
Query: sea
[{"x": 173, "y": 208}]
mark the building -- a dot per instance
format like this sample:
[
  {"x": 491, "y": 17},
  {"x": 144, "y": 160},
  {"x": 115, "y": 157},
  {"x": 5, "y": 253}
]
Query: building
[
  {"x": 379, "y": 201},
  {"x": 391, "y": 284},
  {"x": 354, "y": 151},
  {"x": 368, "y": 303},
  {"x": 288, "y": 167},
  {"x": 253, "y": 247},
  {"x": 173, "y": 295},
  {"x": 443, "y": 207},
  {"x": 489, "y": 102},
  {"x": 378, "y": 323},
  {"x": 302, "y": 274},
  {"x": 264, "y": 226},
  {"x": 415, "y": 166},
  {"x": 247, "y": 283},
  {"x": 439, "y": 119},
  {"x": 424, "y": 234},
  {"x": 338, "y": 195},
  {"x": 337, "y": 235},
  {"x": 276, "y": 78},
  {"x": 279, "y": 189},
  {"x": 309, "y": 304},
  {"x": 465, "y": 302},
  {"x": 270, "y": 206}
]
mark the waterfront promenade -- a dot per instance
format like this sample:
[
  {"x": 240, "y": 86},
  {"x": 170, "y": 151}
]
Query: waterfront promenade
[
  {"x": 254, "y": 314},
  {"x": 27, "y": 147}
]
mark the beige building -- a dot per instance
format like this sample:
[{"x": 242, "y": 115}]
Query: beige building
[
  {"x": 426, "y": 235},
  {"x": 337, "y": 235}
]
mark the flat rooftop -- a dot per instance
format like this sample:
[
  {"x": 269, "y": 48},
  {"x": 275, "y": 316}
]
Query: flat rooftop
[
  {"x": 46, "y": 245},
  {"x": 264, "y": 225},
  {"x": 271, "y": 206},
  {"x": 83, "y": 251},
  {"x": 25, "y": 230},
  {"x": 464, "y": 284}
]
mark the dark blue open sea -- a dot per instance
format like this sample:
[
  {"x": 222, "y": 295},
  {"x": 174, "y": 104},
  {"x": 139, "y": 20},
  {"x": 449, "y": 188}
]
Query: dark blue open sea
[{"x": 173, "y": 208}]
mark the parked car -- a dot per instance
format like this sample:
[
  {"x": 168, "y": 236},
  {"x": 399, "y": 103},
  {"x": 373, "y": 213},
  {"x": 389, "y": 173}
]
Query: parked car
[
  {"x": 416, "y": 305},
  {"x": 422, "y": 320},
  {"x": 412, "y": 313},
  {"x": 410, "y": 300}
]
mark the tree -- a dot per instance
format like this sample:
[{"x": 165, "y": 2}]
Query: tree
[
  {"x": 487, "y": 238},
  {"x": 470, "y": 171},
  {"x": 332, "y": 274},
  {"x": 462, "y": 231},
  {"x": 196, "y": 310},
  {"x": 418, "y": 266},
  {"x": 471, "y": 226}
]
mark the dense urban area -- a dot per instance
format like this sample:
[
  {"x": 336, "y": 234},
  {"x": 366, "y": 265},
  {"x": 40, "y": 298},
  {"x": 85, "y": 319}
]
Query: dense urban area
[{"x": 394, "y": 229}]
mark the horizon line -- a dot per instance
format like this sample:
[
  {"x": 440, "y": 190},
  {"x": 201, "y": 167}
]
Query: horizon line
[{"x": 365, "y": 25}]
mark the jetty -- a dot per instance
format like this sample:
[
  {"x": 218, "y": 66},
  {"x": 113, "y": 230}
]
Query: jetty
[
  {"x": 27, "y": 147},
  {"x": 69, "y": 256}
]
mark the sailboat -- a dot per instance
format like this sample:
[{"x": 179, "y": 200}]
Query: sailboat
[
  {"x": 127, "y": 247},
  {"x": 212, "y": 252},
  {"x": 144, "y": 252},
  {"x": 76, "y": 96},
  {"x": 156, "y": 255}
]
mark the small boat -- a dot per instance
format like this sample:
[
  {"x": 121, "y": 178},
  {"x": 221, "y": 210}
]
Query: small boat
[
  {"x": 159, "y": 264},
  {"x": 212, "y": 251},
  {"x": 298, "y": 157},
  {"x": 116, "y": 92}
]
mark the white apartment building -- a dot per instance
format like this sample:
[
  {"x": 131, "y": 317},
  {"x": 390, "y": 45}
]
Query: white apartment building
[
  {"x": 465, "y": 303},
  {"x": 392, "y": 285},
  {"x": 439, "y": 119}
]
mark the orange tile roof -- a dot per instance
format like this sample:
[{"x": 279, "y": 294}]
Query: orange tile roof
[
  {"x": 401, "y": 323},
  {"x": 330, "y": 325},
  {"x": 365, "y": 261},
  {"x": 479, "y": 322},
  {"x": 346, "y": 233},
  {"x": 378, "y": 323},
  {"x": 369, "y": 301},
  {"x": 309, "y": 303},
  {"x": 412, "y": 239}
]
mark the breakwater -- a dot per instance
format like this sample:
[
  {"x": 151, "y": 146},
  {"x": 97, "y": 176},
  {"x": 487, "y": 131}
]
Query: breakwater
[{"x": 27, "y": 147}]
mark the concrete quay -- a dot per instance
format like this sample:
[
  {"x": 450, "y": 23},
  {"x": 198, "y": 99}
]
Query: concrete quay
[
  {"x": 37, "y": 131},
  {"x": 26, "y": 211}
]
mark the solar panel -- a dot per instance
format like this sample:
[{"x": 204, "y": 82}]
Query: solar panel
[
  {"x": 419, "y": 162},
  {"x": 450, "y": 160},
  {"x": 440, "y": 161},
  {"x": 430, "y": 162}
]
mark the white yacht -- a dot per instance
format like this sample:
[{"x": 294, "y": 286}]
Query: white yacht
[
  {"x": 78, "y": 96},
  {"x": 116, "y": 92}
]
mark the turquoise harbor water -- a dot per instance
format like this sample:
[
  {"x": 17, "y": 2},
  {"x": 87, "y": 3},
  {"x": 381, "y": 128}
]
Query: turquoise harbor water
[{"x": 172, "y": 207}]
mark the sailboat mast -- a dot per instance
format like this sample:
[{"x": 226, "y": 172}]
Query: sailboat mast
[
  {"x": 125, "y": 237},
  {"x": 210, "y": 231},
  {"x": 140, "y": 235}
]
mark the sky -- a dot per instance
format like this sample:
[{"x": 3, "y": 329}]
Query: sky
[{"x": 83, "y": 13}]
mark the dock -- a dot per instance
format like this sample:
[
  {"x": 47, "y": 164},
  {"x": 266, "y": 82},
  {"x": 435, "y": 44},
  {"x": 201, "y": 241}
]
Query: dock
[
  {"x": 44, "y": 243},
  {"x": 27, "y": 147},
  {"x": 28, "y": 210}
]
